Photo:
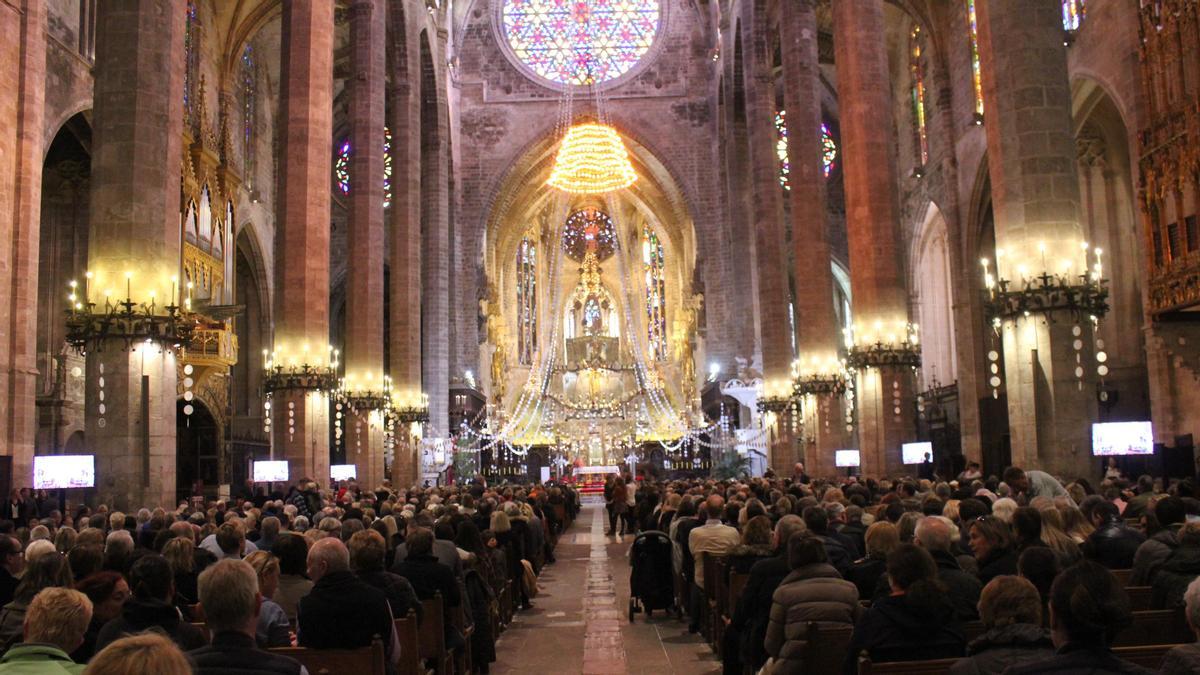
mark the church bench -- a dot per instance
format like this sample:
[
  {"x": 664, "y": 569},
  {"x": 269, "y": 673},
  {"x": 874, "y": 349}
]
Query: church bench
[
  {"x": 1122, "y": 576},
  {"x": 1150, "y": 656},
  {"x": 366, "y": 660},
  {"x": 408, "y": 635},
  {"x": 431, "y": 635},
  {"x": 825, "y": 648},
  {"x": 462, "y": 658},
  {"x": 737, "y": 584},
  {"x": 1140, "y": 597},
  {"x": 708, "y": 612},
  {"x": 1155, "y": 627}
]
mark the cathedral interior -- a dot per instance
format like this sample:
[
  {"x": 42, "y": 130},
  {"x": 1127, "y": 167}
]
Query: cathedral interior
[{"x": 422, "y": 240}]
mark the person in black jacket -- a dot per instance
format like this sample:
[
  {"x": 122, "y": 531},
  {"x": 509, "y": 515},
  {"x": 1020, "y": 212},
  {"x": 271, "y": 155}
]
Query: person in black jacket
[
  {"x": 916, "y": 622},
  {"x": 11, "y": 562},
  {"x": 747, "y": 628},
  {"x": 429, "y": 578},
  {"x": 992, "y": 545},
  {"x": 152, "y": 606},
  {"x": 367, "y": 553},
  {"x": 229, "y": 594},
  {"x": 933, "y": 535},
  {"x": 1088, "y": 606},
  {"x": 1178, "y": 570},
  {"x": 1113, "y": 544},
  {"x": 342, "y": 612},
  {"x": 839, "y": 549}
]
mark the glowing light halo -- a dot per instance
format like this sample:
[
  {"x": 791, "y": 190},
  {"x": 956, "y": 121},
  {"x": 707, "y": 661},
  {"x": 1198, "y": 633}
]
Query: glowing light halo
[{"x": 592, "y": 160}]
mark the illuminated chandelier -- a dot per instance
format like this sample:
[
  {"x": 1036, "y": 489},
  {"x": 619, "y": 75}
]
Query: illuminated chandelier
[{"x": 592, "y": 160}]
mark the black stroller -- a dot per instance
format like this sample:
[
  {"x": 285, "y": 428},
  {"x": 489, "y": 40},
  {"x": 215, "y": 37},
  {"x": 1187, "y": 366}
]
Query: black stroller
[{"x": 651, "y": 584}]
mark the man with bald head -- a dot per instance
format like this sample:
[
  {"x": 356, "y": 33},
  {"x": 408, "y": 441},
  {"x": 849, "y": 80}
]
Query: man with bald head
[
  {"x": 713, "y": 538},
  {"x": 342, "y": 612},
  {"x": 934, "y": 535}
]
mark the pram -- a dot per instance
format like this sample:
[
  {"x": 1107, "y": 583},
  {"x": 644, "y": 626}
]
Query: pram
[{"x": 651, "y": 584}]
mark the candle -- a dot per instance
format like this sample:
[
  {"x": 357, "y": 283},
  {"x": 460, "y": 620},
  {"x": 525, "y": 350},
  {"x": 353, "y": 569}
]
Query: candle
[
  {"x": 128, "y": 286},
  {"x": 87, "y": 288}
]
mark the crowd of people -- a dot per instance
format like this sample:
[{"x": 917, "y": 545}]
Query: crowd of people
[
  {"x": 906, "y": 563},
  {"x": 211, "y": 588}
]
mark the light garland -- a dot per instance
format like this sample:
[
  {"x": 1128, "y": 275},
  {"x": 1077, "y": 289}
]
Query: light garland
[{"x": 592, "y": 160}]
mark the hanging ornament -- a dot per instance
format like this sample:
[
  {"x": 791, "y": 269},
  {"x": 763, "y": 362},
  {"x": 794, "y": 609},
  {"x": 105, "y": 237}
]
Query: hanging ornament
[
  {"x": 101, "y": 407},
  {"x": 592, "y": 160}
]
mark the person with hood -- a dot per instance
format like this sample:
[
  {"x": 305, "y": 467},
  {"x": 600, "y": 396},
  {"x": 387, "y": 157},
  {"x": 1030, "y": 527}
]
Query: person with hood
[
  {"x": 813, "y": 592},
  {"x": 1114, "y": 543},
  {"x": 915, "y": 622},
  {"x": 1170, "y": 513},
  {"x": 933, "y": 535},
  {"x": 152, "y": 606},
  {"x": 1088, "y": 607},
  {"x": 991, "y": 542},
  {"x": 1011, "y": 610},
  {"x": 1178, "y": 570}
]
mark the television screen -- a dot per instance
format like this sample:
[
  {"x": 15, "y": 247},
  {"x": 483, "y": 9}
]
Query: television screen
[
  {"x": 51, "y": 472},
  {"x": 845, "y": 458},
  {"x": 343, "y": 471},
  {"x": 914, "y": 453},
  {"x": 1122, "y": 438},
  {"x": 271, "y": 472}
]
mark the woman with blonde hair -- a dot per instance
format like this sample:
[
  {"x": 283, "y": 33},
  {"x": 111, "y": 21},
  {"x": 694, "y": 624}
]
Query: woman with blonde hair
[
  {"x": 950, "y": 509},
  {"x": 881, "y": 539},
  {"x": 180, "y": 553},
  {"x": 273, "y": 628},
  {"x": 143, "y": 653},
  {"x": 64, "y": 540},
  {"x": 1054, "y": 536},
  {"x": 1075, "y": 524}
]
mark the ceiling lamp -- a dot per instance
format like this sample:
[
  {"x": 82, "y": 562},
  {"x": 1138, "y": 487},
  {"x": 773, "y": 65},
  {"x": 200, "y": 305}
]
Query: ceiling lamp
[{"x": 592, "y": 160}]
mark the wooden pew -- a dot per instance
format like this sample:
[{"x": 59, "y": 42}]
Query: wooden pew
[
  {"x": 737, "y": 584},
  {"x": 825, "y": 649},
  {"x": 431, "y": 635},
  {"x": 1140, "y": 597},
  {"x": 1122, "y": 576},
  {"x": 1155, "y": 627},
  {"x": 408, "y": 634},
  {"x": 708, "y": 614},
  {"x": 462, "y": 659},
  {"x": 366, "y": 660},
  {"x": 1145, "y": 656}
]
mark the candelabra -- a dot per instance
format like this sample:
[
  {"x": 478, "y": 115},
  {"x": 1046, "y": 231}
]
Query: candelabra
[
  {"x": 410, "y": 407},
  {"x": 367, "y": 394},
  {"x": 776, "y": 398},
  {"x": 90, "y": 325},
  {"x": 289, "y": 373},
  {"x": 814, "y": 377},
  {"x": 881, "y": 349}
]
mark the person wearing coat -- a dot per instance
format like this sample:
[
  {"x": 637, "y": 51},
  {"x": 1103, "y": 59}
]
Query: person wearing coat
[
  {"x": 1186, "y": 658},
  {"x": 933, "y": 535},
  {"x": 1113, "y": 544},
  {"x": 813, "y": 592},
  {"x": 1170, "y": 512},
  {"x": 868, "y": 573},
  {"x": 1011, "y": 609},
  {"x": 751, "y": 614},
  {"x": 992, "y": 544},
  {"x": 1178, "y": 570}
]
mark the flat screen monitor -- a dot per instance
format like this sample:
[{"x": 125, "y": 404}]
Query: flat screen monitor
[
  {"x": 343, "y": 471},
  {"x": 914, "y": 453},
  {"x": 271, "y": 471},
  {"x": 845, "y": 458},
  {"x": 53, "y": 472},
  {"x": 1122, "y": 438}
]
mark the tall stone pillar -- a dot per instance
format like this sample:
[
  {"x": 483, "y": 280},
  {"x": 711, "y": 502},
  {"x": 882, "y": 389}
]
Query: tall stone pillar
[
  {"x": 22, "y": 98},
  {"x": 1032, "y": 160},
  {"x": 817, "y": 331},
  {"x": 435, "y": 238},
  {"x": 364, "y": 292},
  {"x": 872, "y": 219},
  {"x": 405, "y": 236},
  {"x": 133, "y": 245},
  {"x": 302, "y": 232},
  {"x": 774, "y": 295}
]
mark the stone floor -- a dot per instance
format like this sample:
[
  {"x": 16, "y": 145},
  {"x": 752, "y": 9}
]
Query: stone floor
[{"x": 579, "y": 622}]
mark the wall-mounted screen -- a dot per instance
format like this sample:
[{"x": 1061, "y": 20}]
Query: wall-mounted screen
[
  {"x": 52, "y": 472},
  {"x": 914, "y": 453},
  {"x": 343, "y": 471},
  {"x": 1122, "y": 438},
  {"x": 845, "y": 458},
  {"x": 271, "y": 472}
]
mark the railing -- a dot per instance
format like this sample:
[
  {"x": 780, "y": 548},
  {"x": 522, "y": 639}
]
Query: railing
[{"x": 213, "y": 346}]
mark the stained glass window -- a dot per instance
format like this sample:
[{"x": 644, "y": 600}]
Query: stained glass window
[
  {"x": 249, "y": 104},
  {"x": 781, "y": 149},
  {"x": 589, "y": 230},
  {"x": 654, "y": 269},
  {"x": 829, "y": 150},
  {"x": 976, "y": 70},
  {"x": 580, "y": 41},
  {"x": 526, "y": 300},
  {"x": 1072, "y": 14},
  {"x": 592, "y": 324},
  {"x": 341, "y": 167},
  {"x": 917, "y": 70},
  {"x": 191, "y": 55}
]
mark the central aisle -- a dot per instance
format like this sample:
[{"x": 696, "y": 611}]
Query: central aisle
[{"x": 579, "y": 622}]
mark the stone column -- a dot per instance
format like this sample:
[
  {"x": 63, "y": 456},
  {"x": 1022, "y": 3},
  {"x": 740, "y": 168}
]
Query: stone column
[
  {"x": 405, "y": 236},
  {"x": 1035, "y": 199},
  {"x": 818, "y": 334},
  {"x": 774, "y": 296},
  {"x": 22, "y": 98},
  {"x": 435, "y": 238},
  {"x": 364, "y": 291},
  {"x": 872, "y": 219},
  {"x": 302, "y": 229},
  {"x": 133, "y": 246}
]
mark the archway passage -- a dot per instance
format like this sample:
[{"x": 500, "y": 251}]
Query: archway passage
[{"x": 197, "y": 441}]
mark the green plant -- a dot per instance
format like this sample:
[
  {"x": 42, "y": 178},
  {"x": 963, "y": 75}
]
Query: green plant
[{"x": 731, "y": 465}]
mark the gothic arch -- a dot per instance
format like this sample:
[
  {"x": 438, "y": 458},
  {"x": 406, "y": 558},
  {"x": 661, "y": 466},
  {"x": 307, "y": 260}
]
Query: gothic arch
[{"x": 932, "y": 291}]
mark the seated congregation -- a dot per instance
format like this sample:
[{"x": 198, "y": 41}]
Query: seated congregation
[
  {"x": 970, "y": 576},
  {"x": 342, "y": 580}
]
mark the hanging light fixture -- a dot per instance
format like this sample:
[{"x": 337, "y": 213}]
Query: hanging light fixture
[{"x": 592, "y": 160}]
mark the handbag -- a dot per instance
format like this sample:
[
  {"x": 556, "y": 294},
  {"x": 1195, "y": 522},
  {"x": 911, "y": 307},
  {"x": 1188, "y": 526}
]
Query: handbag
[{"x": 529, "y": 579}]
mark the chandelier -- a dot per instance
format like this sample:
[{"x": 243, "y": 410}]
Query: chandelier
[{"x": 592, "y": 160}]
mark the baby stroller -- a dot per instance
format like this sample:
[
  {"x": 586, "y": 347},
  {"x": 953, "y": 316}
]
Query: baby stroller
[{"x": 651, "y": 585}]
